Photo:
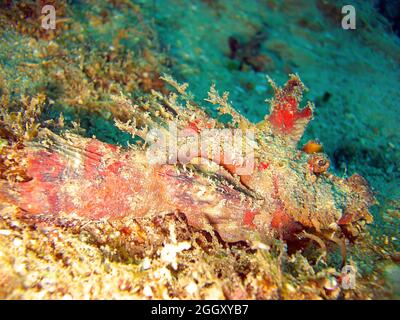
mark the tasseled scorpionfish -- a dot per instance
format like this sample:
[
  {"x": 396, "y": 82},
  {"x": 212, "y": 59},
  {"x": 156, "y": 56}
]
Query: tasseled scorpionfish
[{"x": 248, "y": 181}]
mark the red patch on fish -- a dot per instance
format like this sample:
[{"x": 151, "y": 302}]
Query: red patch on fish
[
  {"x": 194, "y": 125},
  {"x": 280, "y": 219},
  {"x": 263, "y": 166},
  {"x": 345, "y": 219},
  {"x": 248, "y": 218},
  {"x": 285, "y": 115}
]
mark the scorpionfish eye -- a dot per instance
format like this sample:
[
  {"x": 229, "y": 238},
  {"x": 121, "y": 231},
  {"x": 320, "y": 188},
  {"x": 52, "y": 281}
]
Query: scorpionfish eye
[{"x": 318, "y": 164}]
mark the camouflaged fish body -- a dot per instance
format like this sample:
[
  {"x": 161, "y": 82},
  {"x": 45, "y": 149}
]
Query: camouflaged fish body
[{"x": 286, "y": 191}]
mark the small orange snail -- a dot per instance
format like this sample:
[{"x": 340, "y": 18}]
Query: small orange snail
[{"x": 313, "y": 146}]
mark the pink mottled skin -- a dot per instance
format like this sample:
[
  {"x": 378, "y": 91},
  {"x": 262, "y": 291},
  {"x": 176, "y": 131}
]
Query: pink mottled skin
[
  {"x": 103, "y": 181},
  {"x": 100, "y": 181}
]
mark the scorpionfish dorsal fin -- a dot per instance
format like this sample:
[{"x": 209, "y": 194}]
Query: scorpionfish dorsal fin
[{"x": 286, "y": 118}]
